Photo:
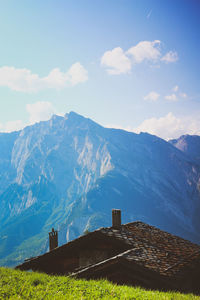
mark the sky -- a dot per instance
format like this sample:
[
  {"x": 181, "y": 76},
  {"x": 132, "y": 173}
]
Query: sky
[{"x": 130, "y": 64}]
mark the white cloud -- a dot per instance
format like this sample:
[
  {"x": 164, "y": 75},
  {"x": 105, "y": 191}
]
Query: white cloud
[
  {"x": 77, "y": 73},
  {"x": 170, "y": 57},
  {"x": 171, "y": 97},
  {"x": 163, "y": 127},
  {"x": 18, "y": 79},
  {"x": 174, "y": 96},
  {"x": 167, "y": 127},
  {"x": 55, "y": 79},
  {"x": 116, "y": 61},
  {"x": 40, "y": 111},
  {"x": 175, "y": 88},
  {"x": 145, "y": 50},
  {"x": 170, "y": 126},
  {"x": 152, "y": 96},
  {"x": 12, "y": 126},
  {"x": 23, "y": 80}
]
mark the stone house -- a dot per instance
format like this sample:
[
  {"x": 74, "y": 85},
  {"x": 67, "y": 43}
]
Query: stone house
[{"x": 133, "y": 254}]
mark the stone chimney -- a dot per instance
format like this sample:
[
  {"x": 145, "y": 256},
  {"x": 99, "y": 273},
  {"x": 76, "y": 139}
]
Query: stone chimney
[
  {"x": 116, "y": 218},
  {"x": 53, "y": 239}
]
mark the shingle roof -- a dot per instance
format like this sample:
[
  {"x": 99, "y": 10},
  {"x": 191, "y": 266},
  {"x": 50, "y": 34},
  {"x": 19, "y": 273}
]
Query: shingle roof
[
  {"x": 147, "y": 246},
  {"x": 155, "y": 249}
]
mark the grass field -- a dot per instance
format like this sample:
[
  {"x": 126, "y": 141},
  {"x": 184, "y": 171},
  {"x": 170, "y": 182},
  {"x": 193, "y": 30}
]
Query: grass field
[{"x": 16, "y": 284}]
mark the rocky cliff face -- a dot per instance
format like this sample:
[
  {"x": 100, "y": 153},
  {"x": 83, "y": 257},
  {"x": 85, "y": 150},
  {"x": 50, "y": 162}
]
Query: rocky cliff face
[{"x": 69, "y": 172}]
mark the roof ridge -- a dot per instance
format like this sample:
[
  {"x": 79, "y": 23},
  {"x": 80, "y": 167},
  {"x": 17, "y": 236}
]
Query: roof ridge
[{"x": 161, "y": 230}]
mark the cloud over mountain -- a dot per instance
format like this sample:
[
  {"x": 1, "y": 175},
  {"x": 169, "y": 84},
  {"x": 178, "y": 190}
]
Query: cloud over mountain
[
  {"x": 40, "y": 111},
  {"x": 170, "y": 126}
]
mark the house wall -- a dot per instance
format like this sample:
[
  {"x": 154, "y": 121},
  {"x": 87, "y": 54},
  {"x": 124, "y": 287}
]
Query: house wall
[
  {"x": 87, "y": 250},
  {"x": 88, "y": 257}
]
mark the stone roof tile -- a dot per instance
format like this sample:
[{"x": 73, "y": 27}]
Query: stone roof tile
[{"x": 155, "y": 249}]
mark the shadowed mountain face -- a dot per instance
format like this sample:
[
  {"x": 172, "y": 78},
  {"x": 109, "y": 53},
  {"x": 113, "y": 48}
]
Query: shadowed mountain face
[
  {"x": 190, "y": 145},
  {"x": 69, "y": 172}
]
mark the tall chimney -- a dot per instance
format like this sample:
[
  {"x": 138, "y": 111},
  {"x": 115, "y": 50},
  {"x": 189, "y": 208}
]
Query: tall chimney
[
  {"x": 116, "y": 218},
  {"x": 53, "y": 239}
]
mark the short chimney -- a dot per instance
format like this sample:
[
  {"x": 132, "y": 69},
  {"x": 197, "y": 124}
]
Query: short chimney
[
  {"x": 53, "y": 239},
  {"x": 116, "y": 218}
]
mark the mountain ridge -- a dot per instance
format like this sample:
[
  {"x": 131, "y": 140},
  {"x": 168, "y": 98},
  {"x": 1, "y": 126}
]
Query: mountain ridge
[{"x": 69, "y": 172}]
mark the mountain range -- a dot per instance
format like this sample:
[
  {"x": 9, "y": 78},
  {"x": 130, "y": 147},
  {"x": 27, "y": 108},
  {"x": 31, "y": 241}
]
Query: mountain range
[{"x": 69, "y": 172}]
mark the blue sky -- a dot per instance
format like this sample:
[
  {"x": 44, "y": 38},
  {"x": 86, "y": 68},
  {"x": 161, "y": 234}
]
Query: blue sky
[{"x": 131, "y": 64}]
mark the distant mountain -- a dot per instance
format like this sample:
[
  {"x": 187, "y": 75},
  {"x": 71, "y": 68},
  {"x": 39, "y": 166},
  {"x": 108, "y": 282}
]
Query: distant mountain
[
  {"x": 69, "y": 172},
  {"x": 190, "y": 145}
]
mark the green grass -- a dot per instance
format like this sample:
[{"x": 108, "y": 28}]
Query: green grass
[{"x": 16, "y": 284}]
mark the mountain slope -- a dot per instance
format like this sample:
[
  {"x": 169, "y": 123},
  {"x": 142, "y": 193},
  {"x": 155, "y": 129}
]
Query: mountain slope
[
  {"x": 190, "y": 145},
  {"x": 69, "y": 172}
]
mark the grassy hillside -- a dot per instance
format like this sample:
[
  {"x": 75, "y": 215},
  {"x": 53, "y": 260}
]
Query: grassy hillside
[{"x": 23, "y": 285}]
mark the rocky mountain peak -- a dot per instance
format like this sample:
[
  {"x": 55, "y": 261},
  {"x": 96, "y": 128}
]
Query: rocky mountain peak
[{"x": 69, "y": 172}]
